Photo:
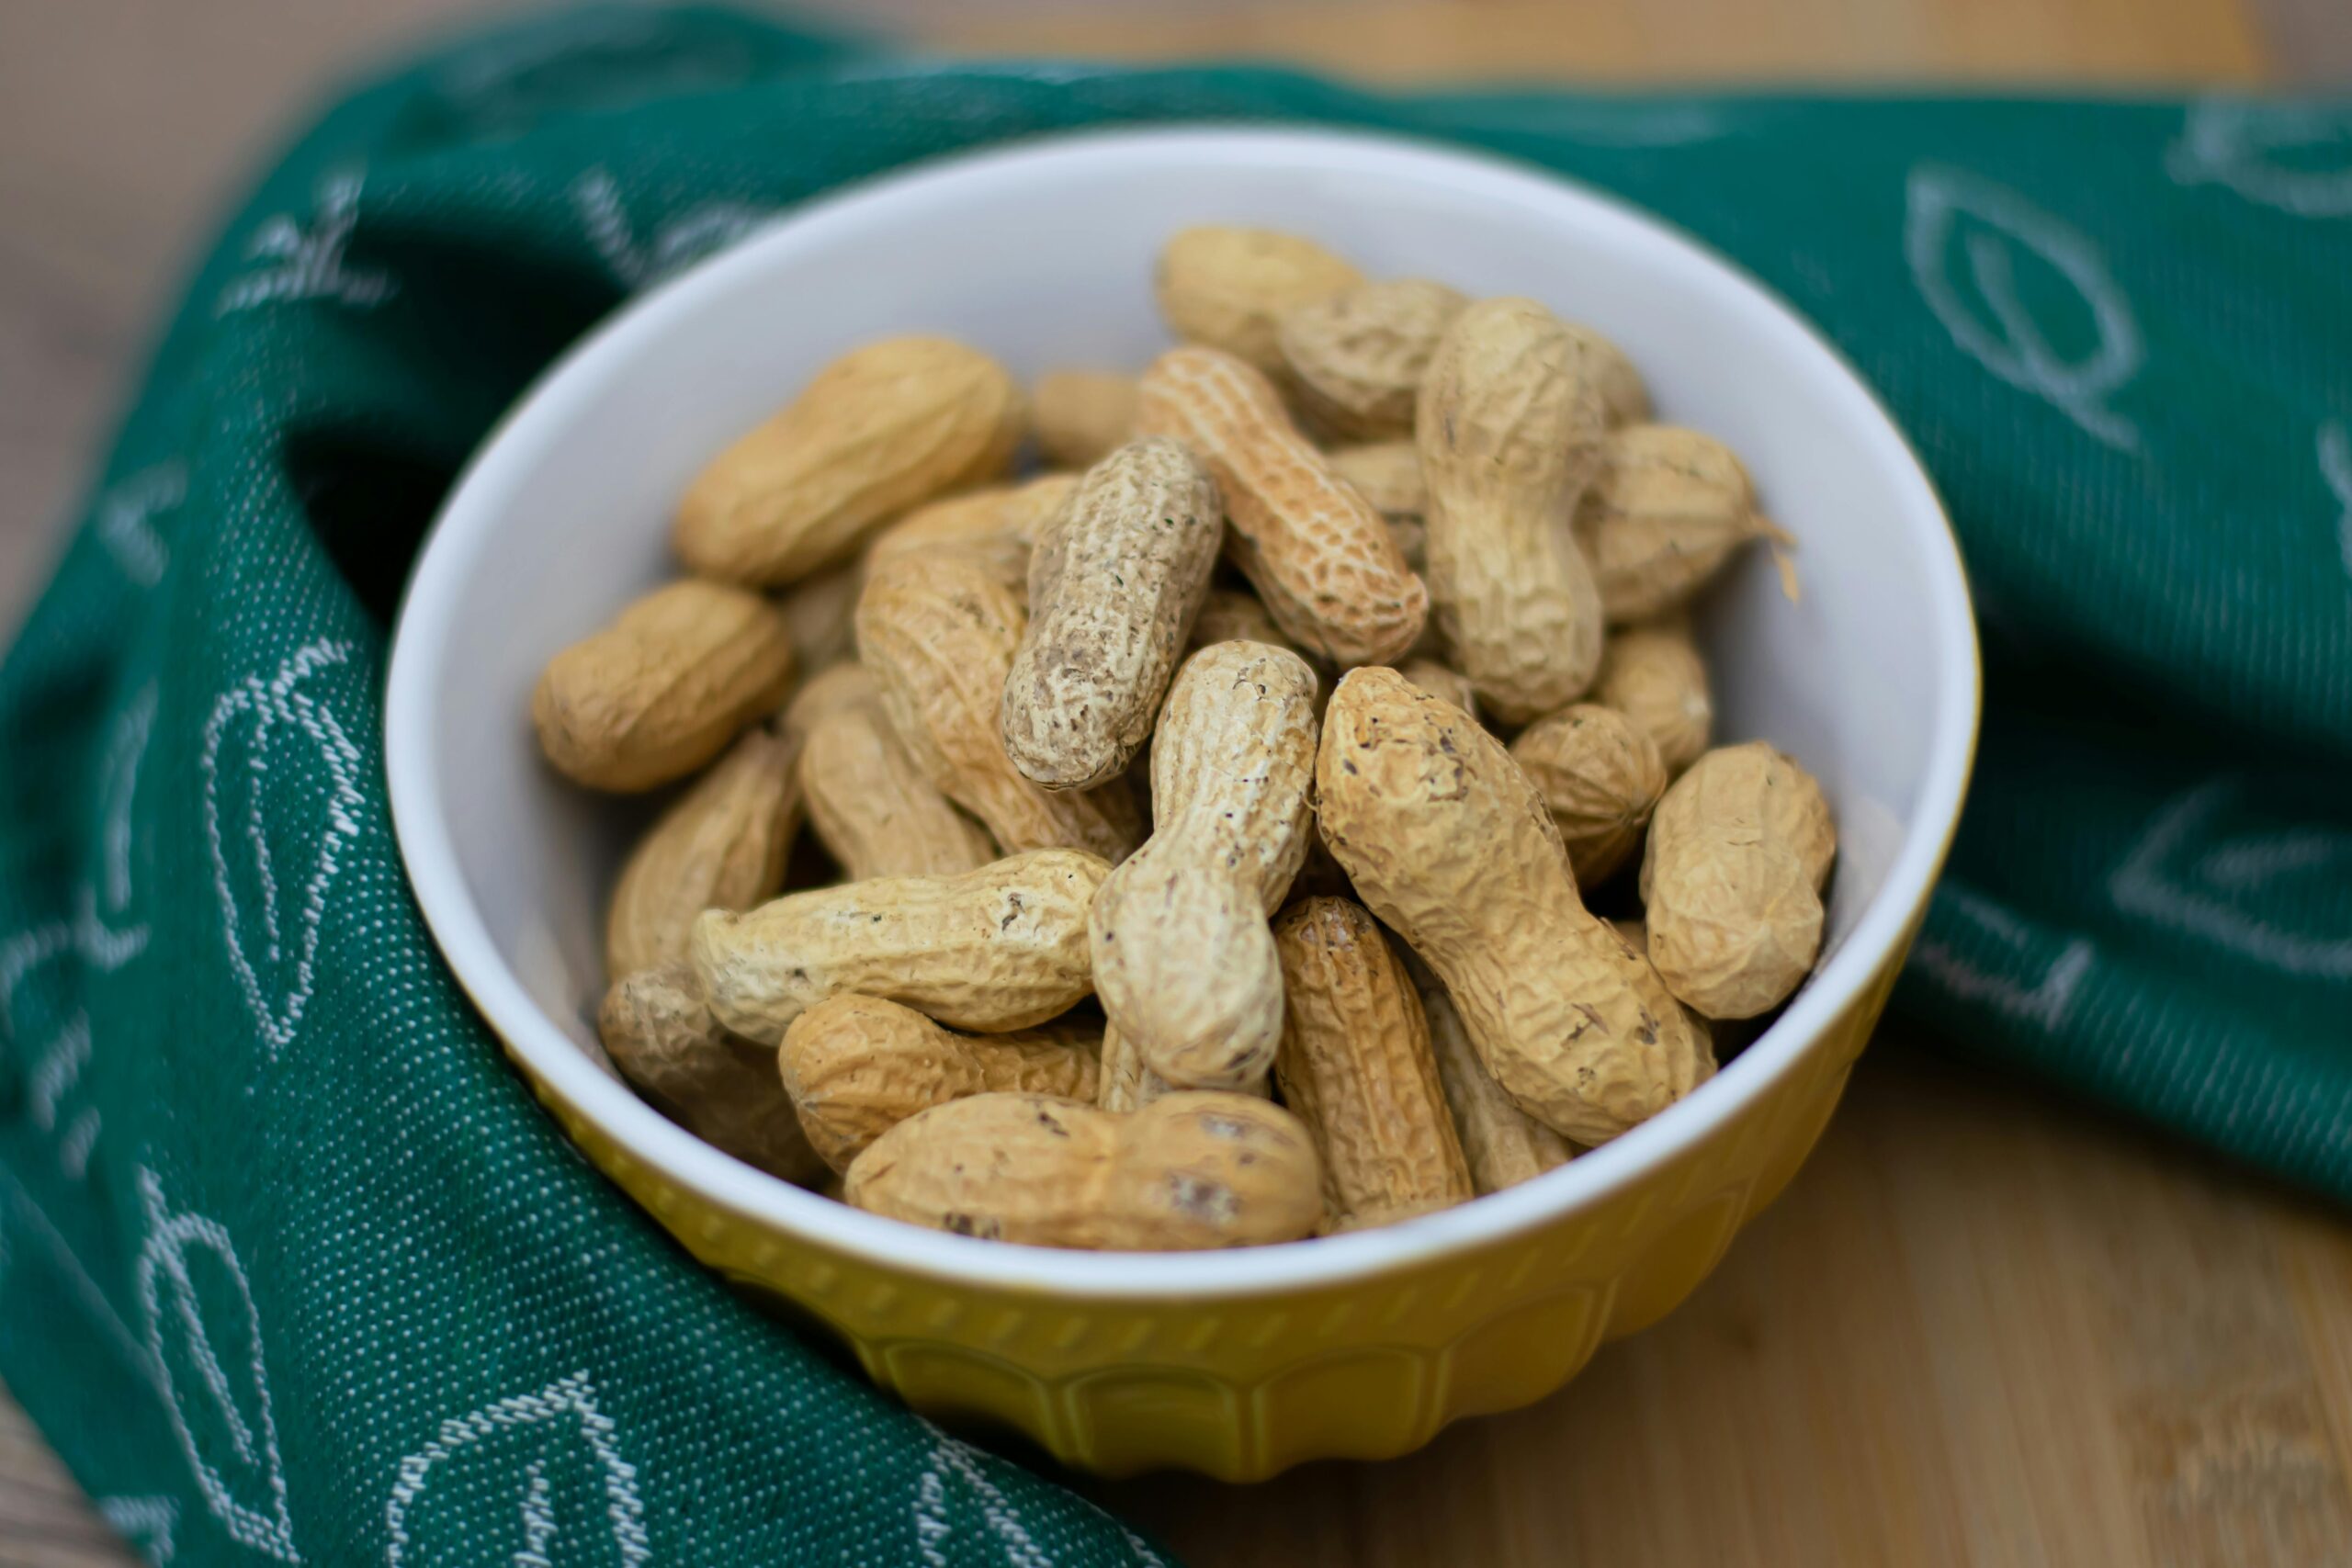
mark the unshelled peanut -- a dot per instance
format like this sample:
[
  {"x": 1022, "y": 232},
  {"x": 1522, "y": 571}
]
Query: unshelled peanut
[
  {"x": 1449, "y": 844},
  {"x": 873, "y": 809},
  {"x": 1356, "y": 357},
  {"x": 1510, "y": 432},
  {"x": 856, "y": 1067},
  {"x": 1601, "y": 775},
  {"x": 720, "y": 1088},
  {"x": 1113, "y": 587},
  {"x": 1183, "y": 959},
  {"x": 1186, "y": 1172},
  {"x": 1321, "y": 559},
  {"x": 1388, "y": 475},
  {"x": 1355, "y": 1066},
  {"x": 1502, "y": 1145},
  {"x": 878, "y": 430},
  {"x": 1442, "y": 681},
  {"x": 997, "y": 526},
  {"x": 1236, "y": 615},
  {"x": 939, "y": 635},
  {"x": 1739, "y": 851},
  {"x": 1229, "y": 287},
  {"x": 1624, "y": 398},
  {"x": 661, "y": 689},
  {"x": 817, "y": 613},
  {"x": 1001, "y": 948},
  {"x": 1125, "y": 1084},
  {"x": 1653, "y": 674},
  {"x": 1665, "y": 511},
  {"x": 1083, "y": 415},
  {"x": 721, "y": 845}
]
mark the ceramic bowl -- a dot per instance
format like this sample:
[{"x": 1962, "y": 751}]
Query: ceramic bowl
[{"x": 1237, "y": 1364}]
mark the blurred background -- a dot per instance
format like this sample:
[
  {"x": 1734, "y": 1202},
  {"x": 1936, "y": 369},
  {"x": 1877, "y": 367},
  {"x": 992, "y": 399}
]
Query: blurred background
[{"x": 1981, "y": 1327}]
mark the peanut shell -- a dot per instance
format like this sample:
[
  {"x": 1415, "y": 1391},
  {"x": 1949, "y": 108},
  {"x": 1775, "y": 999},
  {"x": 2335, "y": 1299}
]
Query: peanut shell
[
  {"x": 721, "y": 845},
  {"x": 1083, "y": 415},
  {"x": 1601, "y": 775},
  {"x": 1228, "y": 286},
  {"x": 1356, "y": 359},
  {"x": 1652, "y": 673},
  {"x": 722, "y": 1089}
]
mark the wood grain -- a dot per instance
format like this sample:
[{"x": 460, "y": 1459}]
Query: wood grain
[{"x": 1980, "y": 1328}]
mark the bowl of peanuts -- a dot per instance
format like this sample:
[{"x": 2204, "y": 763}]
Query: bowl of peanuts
[{"x": 1221, "y": 794}]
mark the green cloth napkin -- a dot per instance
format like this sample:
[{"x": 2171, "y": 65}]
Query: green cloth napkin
[{"x": 292, "y": 1266}]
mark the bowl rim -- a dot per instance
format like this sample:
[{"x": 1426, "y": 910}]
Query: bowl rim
[{"x": 547, "y": 1053}]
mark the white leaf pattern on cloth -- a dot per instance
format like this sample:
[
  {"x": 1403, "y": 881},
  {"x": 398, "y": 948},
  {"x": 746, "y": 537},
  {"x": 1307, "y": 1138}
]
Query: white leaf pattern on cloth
[
  {"x": 566, "y": 1407},
  {"x": 275, "y": 969},
  {"x": 221, "y": 1413},
  {"x": 700, "y": 231},
  {"x": 952, "y": 1457},
  {"x": 2191, "y": 894},
  {"x": 300, "y": 262},
  {"x": 2012, "y": 345},
  {"x": 2043, "y": 1002},
  {"x": 126, "y": 521},
  {"x": 2230, "y": 143},
  {"x": 145, "y": 1522},
  {"x": 2336, "y": 469}
]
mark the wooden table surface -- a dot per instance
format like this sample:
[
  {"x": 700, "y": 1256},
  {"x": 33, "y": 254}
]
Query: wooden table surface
[{"x": 1980, "y": 1328}]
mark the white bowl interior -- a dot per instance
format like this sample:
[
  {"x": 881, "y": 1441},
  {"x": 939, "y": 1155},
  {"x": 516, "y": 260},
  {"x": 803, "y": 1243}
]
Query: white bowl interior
[{"x": 1043, "y": 257}]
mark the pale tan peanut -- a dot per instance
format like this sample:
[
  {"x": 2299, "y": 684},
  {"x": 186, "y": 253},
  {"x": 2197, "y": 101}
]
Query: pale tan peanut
[
  {"x": 1388, "y": 475},
  {"x": 1184, "y": 962},
  {"x": 1601, "y": 775},
  {"x": 836, "y": 686},
  {"x": 720, "y": 1088},
  {"x": 1355, "y": 1066},
  {"x": 877, "y": 431},
  {"x": 1321, "y": 559},
  {"x": 1622, "y": 397},
  {"x": 1502, "y": 1145},
  {"x": 1236, "y": 615},
  {"x": 872, "y": 808},
  {"x": 1711, "y": 1032},
  {"x": 856, "y": 1067},
  {"x": 817, "y": 613},
  {"x": 1653, "y": 674},
  {"x": 1001, "y": 948},
  {"x": 1356, "y": 357},
  {"x": 997, "y": 526},
  {"x": 1083, "y": 415},
  {"x": 1731, "y": 885},
  {"x": 721, "y": 845},
  {"x": 1114, "y": 586},
  {"x": 663, "y": 688},
  {"x": 1450, "y": 845},
  {"x": 939, "y": 635},
  {"x": 1510, "y": 432},
  {"x": 1186, "y": 1172},
  {"x": 1228, "y": 286},
  {"x": 1440, "y": 679},
  {"x": 1667, "y": 509},
  {"x": 1127, "y": 1085}
]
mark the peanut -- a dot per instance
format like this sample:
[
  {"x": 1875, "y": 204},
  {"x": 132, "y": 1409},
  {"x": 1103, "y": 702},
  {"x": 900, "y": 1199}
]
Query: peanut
[
  {"x": 1510, "y": 434},
  {"x": 856, "y": 1067},
  {"x": 1183, "y": 959},
  {"x": 1502, "y": 1145},
  {"x": 1356, "y": 359},
  {"x": 816, "y": 613},
  {"x": 1112, "y": 588},
  {"x": 872, "y": 808},
  {"x": 1450, "y": 845},
  {"x": 1739, "y": 853},
  {"x": 1388, "y": 475},
  {"x": 1186, "y": 1172},
  {"x": 836, "y": 686},
  {"x": 1624, "y": 398},
  {"x": 1442, "y": 681},
  {"x": 1320, "y": 558},
  {"x": 1127, "y": 1085},
  {"x": 1228, "y": 288},
  {"x": 1355, "y": 1068},
  {"x": 1664, "y": 512},
  {"x": 1234, "y": 614},
  {"x": 1653, "y": 674},
  {"x": 1083, "y": 415},
  {"x": 722, "y": 1089},
  {"x": 661, "y": 689},
  {"x": 877, "y": 431},
  {"x": 997, "y": 949},
  {"x": 997, "y": 526},
  {"x": 721, "y": 845},
  {"x": 1600, "y": 774},
  {"x": 939, "y": 635}
]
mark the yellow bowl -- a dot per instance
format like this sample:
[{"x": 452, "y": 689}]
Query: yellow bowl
[{"x": 1236, "y": 1364}]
